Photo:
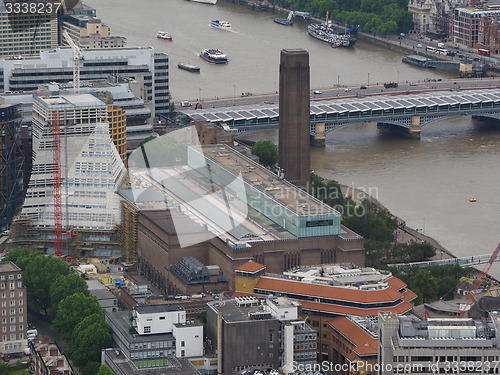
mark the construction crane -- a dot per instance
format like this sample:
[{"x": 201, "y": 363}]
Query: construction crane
[
  {"x": 478, "y": 282},
  {"x": 77, "y": 60},
  {"x": 56, "y": 149}
]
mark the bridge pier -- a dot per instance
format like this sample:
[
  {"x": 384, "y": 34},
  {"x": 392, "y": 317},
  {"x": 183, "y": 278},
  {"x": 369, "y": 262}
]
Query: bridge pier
[
  {"x": 413, "y": 132},
  {"x": 318, "y": 139}
]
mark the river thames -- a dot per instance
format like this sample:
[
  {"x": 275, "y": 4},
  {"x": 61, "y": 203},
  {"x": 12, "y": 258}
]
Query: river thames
[{"x": 427, "y": 183}]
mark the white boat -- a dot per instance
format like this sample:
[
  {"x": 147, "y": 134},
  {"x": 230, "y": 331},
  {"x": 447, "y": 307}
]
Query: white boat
[
  {"x": 163, "y": 35},
  {"x": 221, "y": 25},
  {"x": 212, "y": 2}
]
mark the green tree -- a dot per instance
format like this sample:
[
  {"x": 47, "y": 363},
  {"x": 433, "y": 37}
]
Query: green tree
[
  {"x": 72, "y": 310},
  {"x": 426, "y": 284},
  {"x": 91, "y": 368},
  {"x": 39, "y": 274},
  {"x": 104, "y": 370},
  {"x": 64, "y": 286},
  {"x": 89, "y": 337},
  {"x": 267, "y": 152},
  {"x": 20, "y": 256}
]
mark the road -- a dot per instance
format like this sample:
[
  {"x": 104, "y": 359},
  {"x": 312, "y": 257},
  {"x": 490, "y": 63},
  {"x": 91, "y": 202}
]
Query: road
[
  {"x": 346, "y": 91},
  {"x": 45, "y": 329}
]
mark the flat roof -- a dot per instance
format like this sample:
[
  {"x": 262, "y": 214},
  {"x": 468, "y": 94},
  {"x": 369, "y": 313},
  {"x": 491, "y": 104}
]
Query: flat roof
[
  {"x": 121, "y": 320},
  {"x": 151, "y": 309},
  {"x": 72, "y": 100}
]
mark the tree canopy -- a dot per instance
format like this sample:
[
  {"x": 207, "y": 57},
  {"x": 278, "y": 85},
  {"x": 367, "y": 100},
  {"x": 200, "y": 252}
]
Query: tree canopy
[
  {"x": 89, "y": 337},
  {"x": 64, "y": 286},
  {"x": 380, "y": 16},
  {"x": 267, "y": 152},
  {"x": 72, "y": 310},
  {"x": 104, "y": 370}
]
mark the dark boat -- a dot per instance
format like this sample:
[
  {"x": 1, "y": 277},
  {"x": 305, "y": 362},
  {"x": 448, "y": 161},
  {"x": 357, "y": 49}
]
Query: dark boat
[
  {"x": 188, "y": 67},
  {"x": 285, "y": 21},
  {"x": 214, "y": 56}
]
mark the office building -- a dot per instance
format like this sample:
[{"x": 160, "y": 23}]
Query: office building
[
  {"x": 26, "y": 34},
  {"x": 11, "y": 164},
  {"x": 466, "y": 24},
  {"x": 433, "y": 345},
  {"x": 294, "y": 137},
  {"x": 328, "y": 292},
  {"x": 153, "y": 337},
  {"x": 253, "y": 333},
  {"x": 91, "y": 173},
  {"x": 141, "y": 64},
  {"x": 14, "y": 309}
]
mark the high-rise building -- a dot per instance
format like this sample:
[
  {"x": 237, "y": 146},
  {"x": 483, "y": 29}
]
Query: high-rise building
[
  {"x": 142, "y": 64},
  {"x": 91, "y": 170},
  {"x": 265, "y": 333},
  {"x": 410, "y": 345},
  {"x": 294, "y": 128},
  {"x": 14, "y": 315},
  {"x": 118, "y": 130},
  {"x": 11, "y": 163},
  {"x": 27, "y": 33}
]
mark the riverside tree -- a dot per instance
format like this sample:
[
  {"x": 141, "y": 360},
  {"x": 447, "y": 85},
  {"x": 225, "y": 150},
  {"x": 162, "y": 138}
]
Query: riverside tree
[{"x": 267, "y": 152}]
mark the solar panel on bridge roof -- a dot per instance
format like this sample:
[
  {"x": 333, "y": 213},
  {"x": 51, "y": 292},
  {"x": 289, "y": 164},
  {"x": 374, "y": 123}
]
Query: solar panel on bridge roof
[
  {"x": 372, "y": 105},
  {"x": 315, "y": 110},
  {"x": 326, "y": 108},
  {"x": 405, "y": 103},
  {"x": 270, "y": 112},
  {"x": 360, "y": 106},
  {"x": 449, "y": 100},
  {"x": 437, "y": 100},
  {"x": 492, "y": 96},
  {"x": 461, "y": 99},
  {"x": 211, "y": 117},
  {"x": 259, "y": 114},
  {"x": 246, "y": 114},
  {"x": 426, "y": 101},
  {"x": 223, "y": 116},
  {"x": 198, "y": 117},
  {"x": 383, "y": 105},
  {"x": 235, "y": 116},
  {"x": 416, "y": 102},
  {"x": 482, "y": 98},
  {"x": 348, "y": 107},
  {"x": 472, "y": 98},
  {"x": 394, "y": 104},
  {"x": 338, "y": 108}
]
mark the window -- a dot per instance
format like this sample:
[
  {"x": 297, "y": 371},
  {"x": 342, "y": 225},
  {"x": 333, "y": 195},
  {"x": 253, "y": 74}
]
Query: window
[
  {"x": 21, "y": 293},
  {"x": 12, "y": 319},
  {"x": 20, "y": 302},
  {"x": 18, "y": 275},
  {"x": 12, "y": 303},
  {"x": 11, "y": 294},
  {"x": 11, "y": 286},
  {"x": 183, "y": 353},
  {"x": 147, "y": 329},
  {"x": 19, "y": 284},
  {"x": 182, "y": 343}
]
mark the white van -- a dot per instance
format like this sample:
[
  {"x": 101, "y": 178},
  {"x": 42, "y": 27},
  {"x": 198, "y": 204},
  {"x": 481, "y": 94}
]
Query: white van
[{"x": 31, "y": 334}]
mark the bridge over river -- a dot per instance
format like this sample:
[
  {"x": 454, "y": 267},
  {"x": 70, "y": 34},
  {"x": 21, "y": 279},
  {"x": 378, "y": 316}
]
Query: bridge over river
[{"x": 404, "y": 111}]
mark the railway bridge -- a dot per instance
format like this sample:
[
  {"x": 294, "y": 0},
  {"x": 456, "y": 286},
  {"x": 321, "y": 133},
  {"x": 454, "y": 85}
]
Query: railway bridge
[{"x": 408, "y": 113}]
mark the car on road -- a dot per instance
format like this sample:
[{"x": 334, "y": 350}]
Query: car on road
[
  {"x": 363, "y": 88},
  {"x": 413, "y": 84},
  {"x": 185, "y": 104},
  {"x": 317, "y": 92},
  {"x": 419, "y": 45},
  {"x": 347, "y": 90}
]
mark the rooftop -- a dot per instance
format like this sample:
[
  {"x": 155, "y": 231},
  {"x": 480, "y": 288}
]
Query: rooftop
[
  {"x": 8, "y": 267},
  {"x": 251, "y": 267},
  {"x": 121, "y": 320},
  {"x": 364, "y": 343},
  {"x": 71, "y": 101},
  {"x": 153, "y": 309}
]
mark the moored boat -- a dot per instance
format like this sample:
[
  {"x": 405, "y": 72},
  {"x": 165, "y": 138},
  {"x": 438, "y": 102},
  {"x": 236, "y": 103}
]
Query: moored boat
[
  {"x": 221, "y": 25},
  {"x": 285, "y": 21},
  {"x": 188, "y": 67},
  {"x": 214, "y": 56},
  {"x": 211, "y": 2},
  {"x": 163, "y": 35},
  {"x": 328, "y": 35}
]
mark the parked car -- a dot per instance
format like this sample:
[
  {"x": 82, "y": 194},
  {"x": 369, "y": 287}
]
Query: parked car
[
  {"x": 347, "y": 90},
  {"x": 363, "y": 88},
  {"x": 413, "y": 84},
  {"x": 317, "y": 92},
  {"x": 419, "y": 45}
]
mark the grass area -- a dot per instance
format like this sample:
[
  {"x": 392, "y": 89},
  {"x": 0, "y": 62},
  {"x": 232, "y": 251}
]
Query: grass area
[{"x": 23, "y": 371}]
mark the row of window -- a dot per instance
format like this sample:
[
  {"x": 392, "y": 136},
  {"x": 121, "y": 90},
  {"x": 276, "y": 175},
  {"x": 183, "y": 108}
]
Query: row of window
[
  {"x": 151, "y": 354},
  {"x": 152, "y": 345},
  {"x": 13, "y": 311},
  {"x": 12, "y": 303},
  {"x": 13, "y": 329},
  {"x": 11, "y": 285}
]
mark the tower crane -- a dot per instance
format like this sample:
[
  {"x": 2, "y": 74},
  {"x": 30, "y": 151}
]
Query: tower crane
[
  {"x": 77, "y": 60},
  {"x": 478, "y": 282}
]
